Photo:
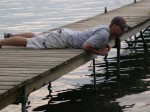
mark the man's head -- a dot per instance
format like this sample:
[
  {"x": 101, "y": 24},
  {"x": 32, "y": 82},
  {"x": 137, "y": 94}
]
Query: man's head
[{"x": 118, "y": 26}]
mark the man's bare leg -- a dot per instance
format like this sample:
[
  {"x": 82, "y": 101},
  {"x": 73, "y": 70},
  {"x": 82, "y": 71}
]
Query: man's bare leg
[
  {"x": 26, "y": 35},
  {"x": 14, "y": 41}
]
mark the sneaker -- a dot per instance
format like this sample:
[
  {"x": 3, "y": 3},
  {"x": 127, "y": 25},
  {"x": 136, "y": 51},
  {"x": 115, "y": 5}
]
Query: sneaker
[{"x": 7, "y": 35}]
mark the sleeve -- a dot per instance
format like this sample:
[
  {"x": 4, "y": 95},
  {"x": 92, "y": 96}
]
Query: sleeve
[{"x": 99, "y": 39}]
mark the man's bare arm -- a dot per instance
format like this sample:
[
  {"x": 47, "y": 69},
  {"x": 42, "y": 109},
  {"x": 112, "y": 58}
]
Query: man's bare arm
[{"x": 90, "y": 49}]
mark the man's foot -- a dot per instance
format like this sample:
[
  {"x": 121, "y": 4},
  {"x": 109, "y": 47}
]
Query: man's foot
[{"x": 7, "y": 35}]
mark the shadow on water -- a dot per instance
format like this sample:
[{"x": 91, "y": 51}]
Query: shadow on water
[{"x": 135, "y": 67}]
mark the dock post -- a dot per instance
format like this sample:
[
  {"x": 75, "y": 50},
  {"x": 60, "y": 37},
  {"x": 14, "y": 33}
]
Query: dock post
[
  {"x": 49, "y": 87},
  {"x": 134, "y": 1},
  {"x": 94, "y": 73},
  {"x": 23, "y": 99},
  {"x": 105, "y": 57},
  {"x": 105, "y": 10},
  {"x": 144, "y": 42},
  {"x": 117, "y": 42}
]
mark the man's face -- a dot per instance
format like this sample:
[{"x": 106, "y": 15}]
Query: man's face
[{"x": 118, "y": 32}]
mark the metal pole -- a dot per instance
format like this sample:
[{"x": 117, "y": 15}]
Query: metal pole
[
  {"x": 134, "y": 1},
  {"x": 118, "y": 56},
  {"x": 49, "y": 89},
  {"x": 24, "y": 99},
  {"x": 94, "y": 73},
  {"x": 105, "y": 10}
]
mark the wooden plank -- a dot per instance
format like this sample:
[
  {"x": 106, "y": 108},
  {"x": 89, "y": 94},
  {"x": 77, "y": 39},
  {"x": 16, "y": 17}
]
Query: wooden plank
[
  {"x": 14, "y": 74},
  {"x": 2, "y": 91},
  {"x": 20, "y": 71},
  {"x": 24, "y": 70},
  {"x": 13, "y": 79},
  {"x": 49, "y": 65},
  {"x": 5, "y": 87},
  {"x": 9, "y": 83}
]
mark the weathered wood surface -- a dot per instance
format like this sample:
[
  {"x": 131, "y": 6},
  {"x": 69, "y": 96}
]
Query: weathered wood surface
[{"x": 35, "y": 68}]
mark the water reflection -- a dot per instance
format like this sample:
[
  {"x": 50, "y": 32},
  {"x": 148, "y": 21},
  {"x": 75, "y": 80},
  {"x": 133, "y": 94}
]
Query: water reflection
[{"x": 131, "y": 92}]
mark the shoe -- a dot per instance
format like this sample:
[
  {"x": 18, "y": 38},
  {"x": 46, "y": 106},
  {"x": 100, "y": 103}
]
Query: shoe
[{"x": 7, "y": 35}]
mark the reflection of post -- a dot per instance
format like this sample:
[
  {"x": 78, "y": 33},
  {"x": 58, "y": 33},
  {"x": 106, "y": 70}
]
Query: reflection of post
[
  {"x": 144, "y": 43},
  {"x": 94, "y": 73},
  {"x": 117, "y": 40},
  {"x": 49, "y": 87}
]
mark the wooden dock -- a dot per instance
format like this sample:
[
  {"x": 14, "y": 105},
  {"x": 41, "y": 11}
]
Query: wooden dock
[
  {"x": 34, "y": 68},
  {"x": 29, "y": 69}
]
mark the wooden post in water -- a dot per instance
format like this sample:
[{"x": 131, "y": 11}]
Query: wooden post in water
[
  {"x": 94, "y": 73},
  {"x": 23, "y": 99},
  {"x": 134, "y": 1},
  {"x": 117, "y": 41},
  {"x": 105, "y": 10}
]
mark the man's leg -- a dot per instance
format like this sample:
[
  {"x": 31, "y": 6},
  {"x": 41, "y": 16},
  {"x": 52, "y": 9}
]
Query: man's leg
[
  {"x": 14, "y": 41},
  {"x": 26, "y": 35}
]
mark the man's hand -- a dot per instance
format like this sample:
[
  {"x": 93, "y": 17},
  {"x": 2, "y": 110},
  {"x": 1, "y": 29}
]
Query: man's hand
[
  {"x": 104, "y": 51},
  {"x": 107, "y": 46}
]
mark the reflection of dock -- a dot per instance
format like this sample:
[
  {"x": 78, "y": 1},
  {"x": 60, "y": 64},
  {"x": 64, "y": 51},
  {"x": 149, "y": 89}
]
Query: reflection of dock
[
  {"x": 108, "y": 88},
  {"x": 23, "y": 71}
]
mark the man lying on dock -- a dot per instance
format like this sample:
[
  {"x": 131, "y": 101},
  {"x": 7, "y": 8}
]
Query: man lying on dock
[{"x": 93, "y": 40}]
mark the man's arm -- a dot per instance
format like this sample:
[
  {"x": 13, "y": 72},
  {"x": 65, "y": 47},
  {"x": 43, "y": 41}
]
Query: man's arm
[{"x": 90, "y": 49}]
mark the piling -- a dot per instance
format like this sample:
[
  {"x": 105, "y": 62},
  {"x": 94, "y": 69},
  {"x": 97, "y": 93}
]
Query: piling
[
  {"x": 117, "y": 42},
  {"x": 23, "y": 99},
  {"x": 134, "y": 1},
  {"x": 105, "y": 10},
  {"x": 94, "y": 73}
]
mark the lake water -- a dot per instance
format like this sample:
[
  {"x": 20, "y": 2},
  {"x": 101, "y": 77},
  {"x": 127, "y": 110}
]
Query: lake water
[
  {"x": 75, "y": 91},
  {"x": 18, "y": 16}
]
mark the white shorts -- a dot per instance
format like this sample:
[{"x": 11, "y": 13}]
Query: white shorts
[
  {"x": 36, "y": 42},
  {"x": 54, "y": 39}
]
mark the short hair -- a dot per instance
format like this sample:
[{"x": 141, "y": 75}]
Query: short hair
[{"x": 120, "y": 21}]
